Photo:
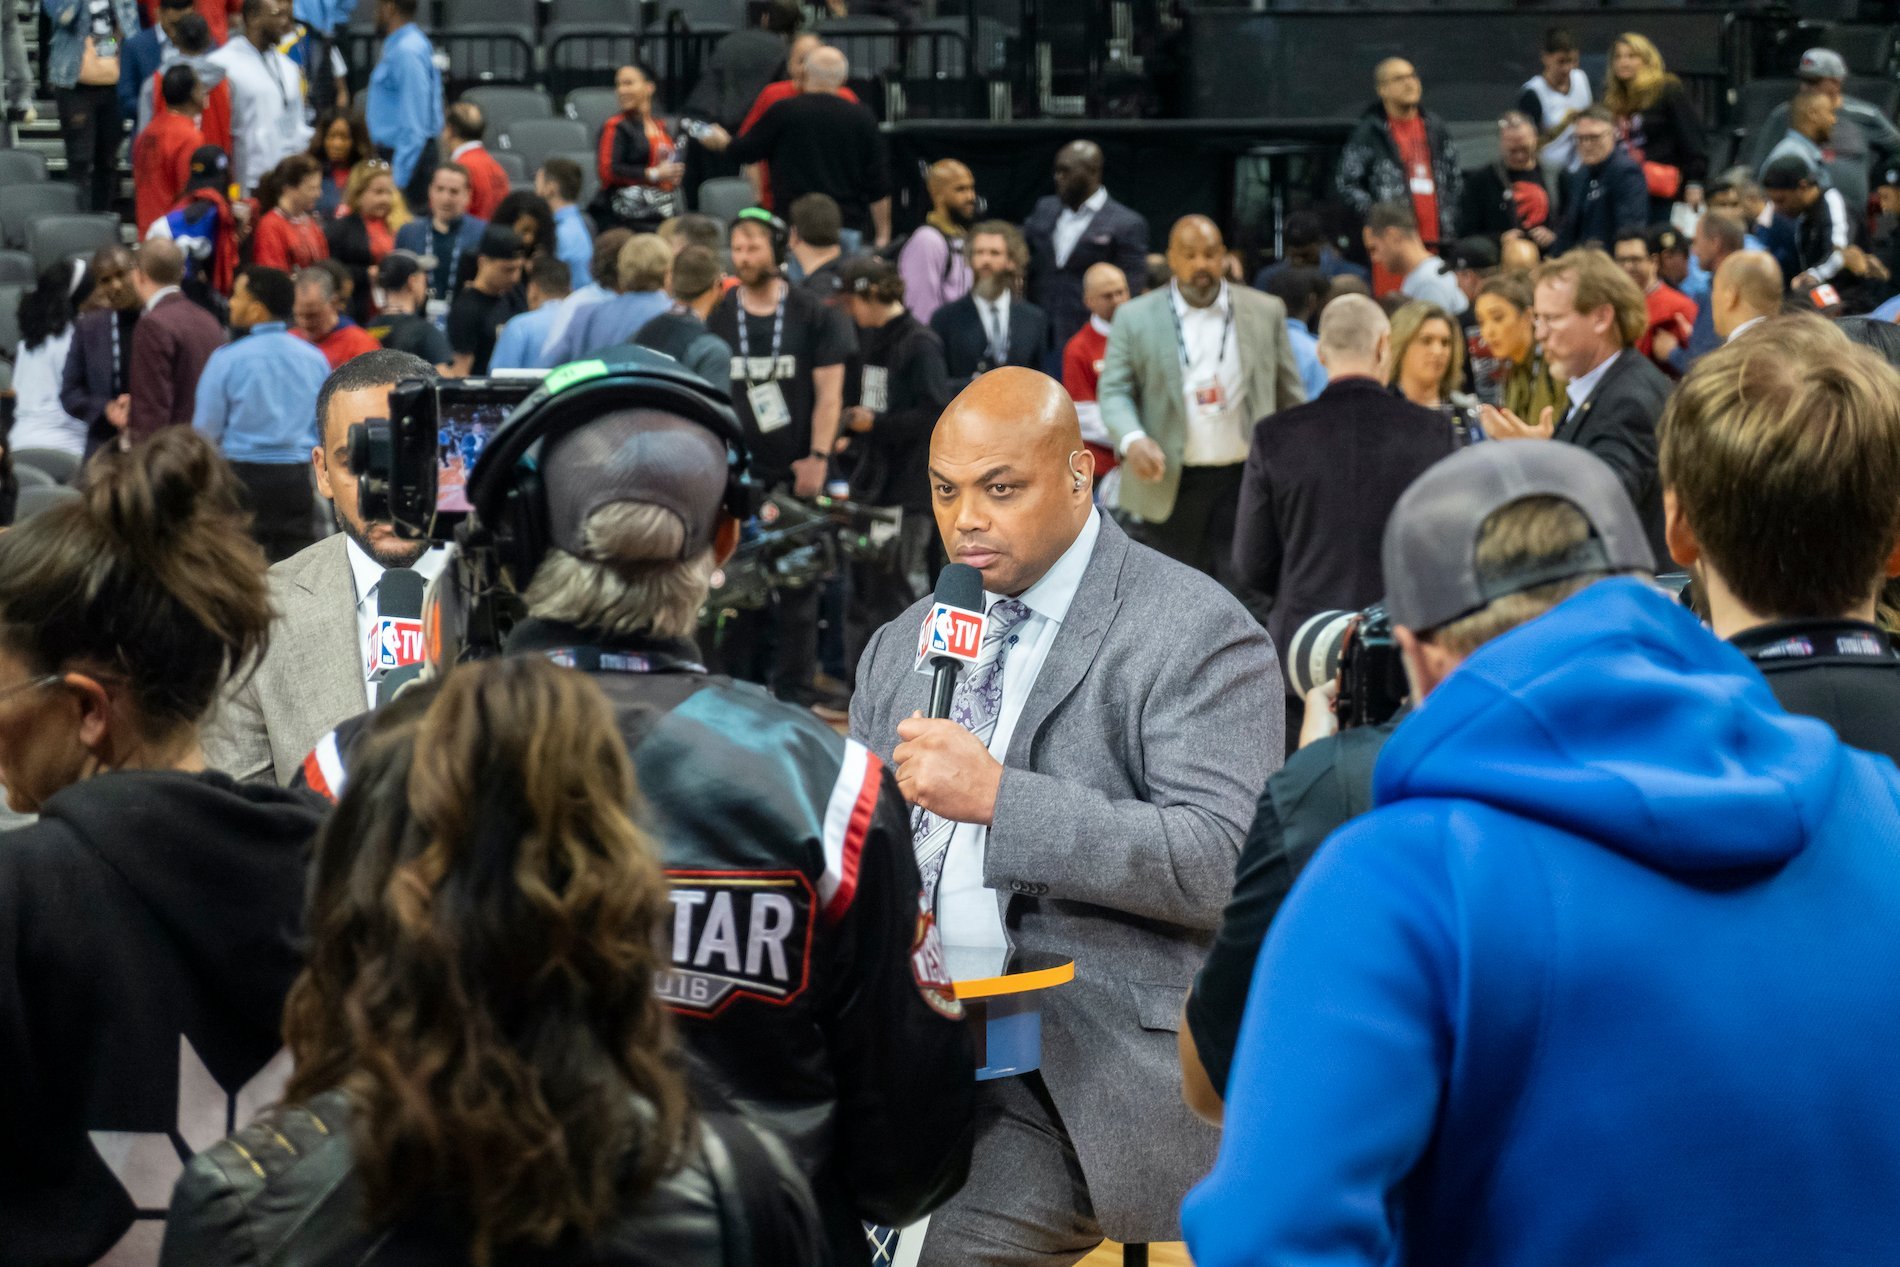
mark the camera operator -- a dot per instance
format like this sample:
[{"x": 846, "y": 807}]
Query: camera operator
[
  {"x": 1780, "y": 459},
  {"x": 787, "y": 386},
  {"x": 803, "y": 978},
  {"x": 903, "y": 387},
  {"x": 1329, "y": 782}
]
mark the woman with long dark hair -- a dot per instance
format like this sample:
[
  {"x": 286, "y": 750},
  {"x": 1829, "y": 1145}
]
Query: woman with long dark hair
[
  {"x": 339, "y": 144},
  {"x": 640, "y": 167},
  {"x": 289, "y": 235},
  {"x": 149, "y": 920},
  {"x": 46, "y": 334},
  {"x": 484, "y": 1072}
]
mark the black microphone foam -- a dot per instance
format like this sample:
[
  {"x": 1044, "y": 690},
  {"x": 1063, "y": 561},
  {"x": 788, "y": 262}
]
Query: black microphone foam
[
  {"x": 399, "y": 594},
  {"x": 958, "y": 585}
]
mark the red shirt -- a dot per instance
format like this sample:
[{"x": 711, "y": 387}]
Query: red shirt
[
  {"x": 161, "y": 165},
  {"x": 770, "y": 95},
  {"x": 1415, "y": 155},
  {"x": 215, "y": 123},
  {"x": 281, "y": 242},
  {"x": 1669, "y": 309},
  {"x": 216, "y": 13},
  {"x": 347, "y": 341},
  {"x": 488, "y": 182},
  {"x": 1081, "y": 375}
]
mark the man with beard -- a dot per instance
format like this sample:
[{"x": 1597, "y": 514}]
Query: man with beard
[
  {"x": 98, "y": 368},
  {"x": 1190, "y": 369},
  {"x": 934, "y": 261},
  {"x": 992, "y": 325},
  {"x": 317, "y": 671}
]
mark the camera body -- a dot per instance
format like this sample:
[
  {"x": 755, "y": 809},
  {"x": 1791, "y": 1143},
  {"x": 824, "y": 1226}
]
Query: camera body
[
  {"x": 1359, "y": 651},
  {"x": 795, "y": 544},
  {"x": 412, "y": 467}
]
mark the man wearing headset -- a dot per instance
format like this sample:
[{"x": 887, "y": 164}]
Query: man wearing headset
[
  {"x": 806, "y": 981},
  {"x": 788, "y": 355}
]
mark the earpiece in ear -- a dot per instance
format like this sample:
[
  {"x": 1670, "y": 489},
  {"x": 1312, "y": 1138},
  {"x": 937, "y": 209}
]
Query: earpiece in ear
[{"x": 1079, "y": 481}]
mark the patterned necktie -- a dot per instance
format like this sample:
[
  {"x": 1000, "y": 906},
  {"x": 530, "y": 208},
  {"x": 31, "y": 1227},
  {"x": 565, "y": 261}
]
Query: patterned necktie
[
  {"x": 998, "y": 333},
  {"x": 975, "y": 706}
]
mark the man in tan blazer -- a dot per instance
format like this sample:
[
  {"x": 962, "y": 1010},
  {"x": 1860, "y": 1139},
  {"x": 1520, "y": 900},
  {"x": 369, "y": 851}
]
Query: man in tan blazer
[
  {"x": 316, "y": 672},
  {"x": 1191, "y": 369}
]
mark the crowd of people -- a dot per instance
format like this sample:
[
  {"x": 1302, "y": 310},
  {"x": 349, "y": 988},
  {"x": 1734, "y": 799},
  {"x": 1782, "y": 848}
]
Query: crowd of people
[{"x": 322, "y": 946}]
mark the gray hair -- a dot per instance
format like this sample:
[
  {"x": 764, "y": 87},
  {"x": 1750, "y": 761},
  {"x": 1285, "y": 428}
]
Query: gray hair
[
  {"x": 633, "y": 581},
  {"x": 1350, "y": 328}
]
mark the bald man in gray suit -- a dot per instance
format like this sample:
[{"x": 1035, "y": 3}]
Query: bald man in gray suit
[{"x": 1091, "y": 801}]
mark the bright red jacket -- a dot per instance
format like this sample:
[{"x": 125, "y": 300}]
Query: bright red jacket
[
  {"x": 215, "y": 123},
  {"x": 288, "y": 244},
  {"x": 161, "y": 165}
]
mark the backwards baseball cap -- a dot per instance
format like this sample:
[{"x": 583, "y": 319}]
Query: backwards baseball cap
[
  {"x": 399, "y": 266},
  {"x": 1430, "y": 551},
  {"x": 1821, "y": 63},
  {"x": 499, "y": 242},
  {"x": 1475, "y": 254},
  {"x": 637, "y": 455}
]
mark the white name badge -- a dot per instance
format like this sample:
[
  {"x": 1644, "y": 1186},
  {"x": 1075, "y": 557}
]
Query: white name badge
[
  {"x": 1210, "y": 398},
  {"x": 875, "y": 395},
  {"x": 1422, "y": 181},
  {"x": 769, "y": 410}
]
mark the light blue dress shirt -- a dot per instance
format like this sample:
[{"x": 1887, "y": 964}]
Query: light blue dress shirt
[
  {"x": 1306, "y": 355},
  {"x": 323, "y": 16},
  {"x": 604, "y": 325},
  {"x": 257, "y": 398},
  {"x": 405, "y": 99},
  {"x": 574, "y": 246},
  {"x": 518, "y": 346}
]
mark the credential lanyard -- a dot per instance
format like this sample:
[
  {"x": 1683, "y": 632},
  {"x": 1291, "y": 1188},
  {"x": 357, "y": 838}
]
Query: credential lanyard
[
  {"x": 778, "y": 335},
  {"x": 117, "y": 386},
  {"x": 1180, "y": 337}
]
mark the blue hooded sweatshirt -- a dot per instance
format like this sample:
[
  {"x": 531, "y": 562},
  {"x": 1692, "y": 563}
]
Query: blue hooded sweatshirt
[{"x": 1611, "y": 975}]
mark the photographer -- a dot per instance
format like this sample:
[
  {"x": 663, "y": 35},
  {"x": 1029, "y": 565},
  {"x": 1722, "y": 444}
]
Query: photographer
[
  {"x": 1588, "y": 970},
  {"x": 802, "y": 975},
  {"x": 1781, "y": 473},
  {"x": 1324, "y": 785}
]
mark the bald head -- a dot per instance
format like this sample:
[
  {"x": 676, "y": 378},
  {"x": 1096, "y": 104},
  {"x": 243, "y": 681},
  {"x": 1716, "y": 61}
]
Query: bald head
[
  {"x": 1747, "y": 285},
  {"x": 1010, "y": 478},
  {"x": 1196, "y": 257},
  {"x": 1078, "y": 172},
  {"x": 1519, "y": 255},
  {"x": 160, "y": 264},
  {"x": 952, "y": 190},
  {"x": 1354, "y": 337},
  {"x": 825, "y": 69},
  {"x": 1104, "y": 289}
]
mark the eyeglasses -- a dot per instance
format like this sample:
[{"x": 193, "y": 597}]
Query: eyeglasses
[{"x": 34, "y": 684}]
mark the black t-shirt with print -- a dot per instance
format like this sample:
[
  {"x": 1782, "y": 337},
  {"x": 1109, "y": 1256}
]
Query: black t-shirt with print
[
  {"x": 474, "y": 320},
  {"x": 815, "y": 335}
]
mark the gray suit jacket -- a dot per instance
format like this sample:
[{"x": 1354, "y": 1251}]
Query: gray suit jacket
[
  {"x": 1141, "y": 387},
  {"x": 309, "y": 680},
  {"x": 1128, "y": 787}
]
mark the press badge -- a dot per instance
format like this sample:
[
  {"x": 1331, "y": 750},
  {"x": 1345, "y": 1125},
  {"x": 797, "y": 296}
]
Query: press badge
[
  {"x": 1210, "y": 399},
  {"x": 769, "y": 410},
  {"x": 1421, "y": 181}
]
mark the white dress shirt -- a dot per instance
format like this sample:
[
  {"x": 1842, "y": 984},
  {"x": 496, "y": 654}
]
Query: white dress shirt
[
  {"x": 1579, "y": 388},
  {"x": 158, "y": 295},
  {"x": 1737, "y": 331},
  {"x": 267, "y": 123},
  {"x": 967, "y": 909},
  {"x": 1213, "y": 356},
  {"x": 994, "y": 314},
  {"x": 367, "y": 573},
  {"x": 1071, "y": 225}
]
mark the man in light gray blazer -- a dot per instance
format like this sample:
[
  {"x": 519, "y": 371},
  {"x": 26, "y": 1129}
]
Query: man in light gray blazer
[
  {"x": 1096, "y": 812},
  {"x": 1191, "y": 368},
  {"x": 315, "y": 673}
]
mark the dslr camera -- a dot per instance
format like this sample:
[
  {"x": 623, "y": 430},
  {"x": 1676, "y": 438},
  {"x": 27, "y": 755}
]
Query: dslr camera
[
  {"x": 1357, "y": 649},
  {"x": 412, "y": 467}
]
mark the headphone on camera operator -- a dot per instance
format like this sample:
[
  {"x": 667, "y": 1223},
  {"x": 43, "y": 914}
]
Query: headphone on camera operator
[{"x": 504, "y": 536}]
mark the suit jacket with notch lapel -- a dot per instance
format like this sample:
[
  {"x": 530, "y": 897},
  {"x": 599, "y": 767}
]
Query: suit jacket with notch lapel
[
  {"x": 966, "y": 344},
  {"x": 1141, "y": 387},
  {"x": 170, "y": 346},
  {"x": 1617, "y": 423},
  {"x": 1129, "y": 785},
  {"x": 310, "y": 679},
  {"x": 1115, "y": 235}
]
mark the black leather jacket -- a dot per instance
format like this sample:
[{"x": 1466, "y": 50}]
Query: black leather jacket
[
  {"x": 807, "y": 979},
  {"x": 283, "y": 1191}
]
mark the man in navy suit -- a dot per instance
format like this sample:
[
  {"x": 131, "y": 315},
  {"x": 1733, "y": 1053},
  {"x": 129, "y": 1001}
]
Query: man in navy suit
[
  {"x": 992, "y": 325},
  {"x": 1078, "y": 227}
]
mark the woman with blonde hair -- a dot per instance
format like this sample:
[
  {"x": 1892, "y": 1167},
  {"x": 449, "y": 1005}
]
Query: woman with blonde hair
[
  {"x": 1657, "y": 124},
  {"x": 364, "y": 228},
  {"x": 1428, "y": 365},
  {"x": 485, "y": 1072}
]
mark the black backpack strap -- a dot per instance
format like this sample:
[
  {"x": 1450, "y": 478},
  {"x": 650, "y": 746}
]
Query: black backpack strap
[{"x": 757, "y": 1220}]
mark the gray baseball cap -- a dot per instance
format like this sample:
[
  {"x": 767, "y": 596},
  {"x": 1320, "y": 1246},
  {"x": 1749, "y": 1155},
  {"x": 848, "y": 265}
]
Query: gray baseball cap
[
  {"x": 636, "y": 455},
  {"x": 1821, "y": 63},
  {"x": 1430, "y": 552}
]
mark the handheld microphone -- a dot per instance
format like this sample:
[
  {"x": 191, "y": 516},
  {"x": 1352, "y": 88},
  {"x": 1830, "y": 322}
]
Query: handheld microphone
[
  {"x": 953, "y": 633},
  {"x": 395, "y": 637}
]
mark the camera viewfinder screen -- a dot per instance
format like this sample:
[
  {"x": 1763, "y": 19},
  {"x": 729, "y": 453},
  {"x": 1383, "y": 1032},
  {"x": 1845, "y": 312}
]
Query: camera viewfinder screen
[{"x": 462, "y": 433}]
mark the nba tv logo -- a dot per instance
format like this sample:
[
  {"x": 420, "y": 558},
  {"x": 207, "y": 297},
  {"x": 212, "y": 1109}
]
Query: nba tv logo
[{"x": 955, "y": 632}]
